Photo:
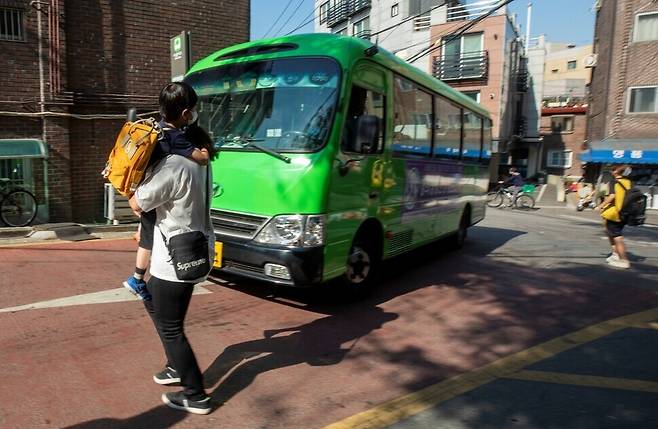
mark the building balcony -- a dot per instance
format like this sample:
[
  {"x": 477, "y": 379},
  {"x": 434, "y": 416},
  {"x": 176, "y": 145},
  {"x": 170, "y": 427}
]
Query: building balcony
[
  {"x": 473, "y": 65},
  {"x": 337, "y": 14},
  {"x": 422, "y": 23},
  {"x": 344, "y": 9},
  {"x": 471, "y": 11},
  {"x": 364, "y": 34},
  {"x": 356, "y": 6}
]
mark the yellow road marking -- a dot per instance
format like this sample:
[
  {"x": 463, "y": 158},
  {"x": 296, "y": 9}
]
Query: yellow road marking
[
  {"x": 406, "y": 406},
  {"x": 586, "y": 380}
]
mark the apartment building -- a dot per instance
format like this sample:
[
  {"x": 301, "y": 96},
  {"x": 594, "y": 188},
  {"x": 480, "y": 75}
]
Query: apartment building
[
  {"x": 71, "y": 70},
  {"x": 623, "y": 107},
  {"x": 560, "y": 74},
  {"x": 484, "y": 60}
]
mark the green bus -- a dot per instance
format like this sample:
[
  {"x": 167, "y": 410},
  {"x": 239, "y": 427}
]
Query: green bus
[{"x": 335, "y": 155}]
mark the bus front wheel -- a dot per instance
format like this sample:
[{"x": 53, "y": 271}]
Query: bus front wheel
[{"x": 361, "y": 268}]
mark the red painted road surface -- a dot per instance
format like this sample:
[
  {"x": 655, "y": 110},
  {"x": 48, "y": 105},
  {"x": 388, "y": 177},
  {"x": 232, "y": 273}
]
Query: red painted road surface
[{"x": 297, "y": 361}]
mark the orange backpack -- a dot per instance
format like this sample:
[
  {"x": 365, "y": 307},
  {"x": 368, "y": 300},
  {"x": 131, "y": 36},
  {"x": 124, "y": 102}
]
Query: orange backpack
[{"x": 130, "y": 156}]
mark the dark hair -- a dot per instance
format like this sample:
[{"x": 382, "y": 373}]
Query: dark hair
[
  {"x": 622, "y": 170},
  {"x": 200, "y": 139},
  {"x": 174, "y": 98}
]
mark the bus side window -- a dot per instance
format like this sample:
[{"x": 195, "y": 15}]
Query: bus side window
[
  {"x": 364, "y": 125},
  {"x": 472, "y": 135},
  {"x": 447, "y": 128},
  {"x": 412, "y": 119}
]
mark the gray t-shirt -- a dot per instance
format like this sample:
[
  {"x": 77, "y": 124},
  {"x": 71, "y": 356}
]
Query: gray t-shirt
[{"x": 176, "y": 189}]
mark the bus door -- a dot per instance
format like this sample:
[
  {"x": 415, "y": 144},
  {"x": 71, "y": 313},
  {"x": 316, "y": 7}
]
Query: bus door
[{"x": 358, "y": 171}]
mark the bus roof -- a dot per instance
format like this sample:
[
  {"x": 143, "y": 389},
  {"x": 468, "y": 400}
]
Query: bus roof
[{"x": 345, "y": 49}]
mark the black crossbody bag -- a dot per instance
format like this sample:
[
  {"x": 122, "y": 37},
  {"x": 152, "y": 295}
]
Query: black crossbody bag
[{"x": 189, "y": 250}]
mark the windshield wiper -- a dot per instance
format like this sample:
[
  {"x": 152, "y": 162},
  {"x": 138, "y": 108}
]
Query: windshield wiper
[{"x": 250, "y": 142}]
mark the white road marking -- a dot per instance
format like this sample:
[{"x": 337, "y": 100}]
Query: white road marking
[
  {"x": 638, "y": 242},
  {"x": 103, "y": 297},
  {"x": 583, "y": 219}
]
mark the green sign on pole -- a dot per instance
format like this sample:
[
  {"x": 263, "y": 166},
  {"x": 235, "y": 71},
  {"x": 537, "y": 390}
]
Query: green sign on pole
[{"x": 181, "y": 55}]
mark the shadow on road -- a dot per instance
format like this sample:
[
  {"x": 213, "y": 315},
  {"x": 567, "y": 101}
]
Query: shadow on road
[{"x": 492, "y": 309}]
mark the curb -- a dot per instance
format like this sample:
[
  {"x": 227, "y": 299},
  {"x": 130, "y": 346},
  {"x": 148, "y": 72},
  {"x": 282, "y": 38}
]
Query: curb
[{"x": 42, "y": 232}]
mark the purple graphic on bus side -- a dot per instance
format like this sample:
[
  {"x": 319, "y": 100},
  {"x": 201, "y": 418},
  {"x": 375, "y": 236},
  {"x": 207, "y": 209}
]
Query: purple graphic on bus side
[{"x": 429, "y": 186}]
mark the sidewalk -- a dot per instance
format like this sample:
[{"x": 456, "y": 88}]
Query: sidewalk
[
  {"x": 63, "y": 231},
  {"x": 557, "y": 208}
]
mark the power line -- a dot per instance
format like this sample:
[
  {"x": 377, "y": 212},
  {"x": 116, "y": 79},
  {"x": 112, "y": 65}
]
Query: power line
[
  {"x": 277, "y": 20},
  {"x": 305, "y": 20},
  {"x": 459, "y": 32},
  {"x": 294, "y": 12},
  {"x": 408, "y": 19}
]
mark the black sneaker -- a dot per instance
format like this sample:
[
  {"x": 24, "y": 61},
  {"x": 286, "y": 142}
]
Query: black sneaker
[
  {"x": 167, "y": 376},
  {"x": 178, "y": 401}
]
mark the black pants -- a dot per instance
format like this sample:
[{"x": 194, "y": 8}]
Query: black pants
[{"x": 167, "y": 309}]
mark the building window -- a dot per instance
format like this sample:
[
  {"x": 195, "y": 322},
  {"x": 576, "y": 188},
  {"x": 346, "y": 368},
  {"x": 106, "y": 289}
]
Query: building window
[
  {"x": 395, "y": 10},
  {"x": 12, "y": 25},
  {"x": 646, "y": 27},
  {"x": 324, "y": 7},
  {"x": 643, "y": 100},
  {"x": 571, "y": 65},
  {"x": 555, "y": 70},
  {"x": 475, "y": 95},
  {"x": 342, "y": 31},
  {"x": 562, "y": 124},
  {"x": 362, "y": 28},
  {"x": 559, "y": 158}
]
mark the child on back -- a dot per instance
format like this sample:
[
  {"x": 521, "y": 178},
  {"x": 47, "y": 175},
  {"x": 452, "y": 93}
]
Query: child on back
[{"x": 178, "y": 109}]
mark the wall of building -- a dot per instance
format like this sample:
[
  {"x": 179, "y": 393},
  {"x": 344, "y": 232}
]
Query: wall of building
[
  {"x": 622, "y": 63},
  {"x": 114, "y": 54},
  {"x": 491, "y": 96},
  {"x": 563, "y": 141}
]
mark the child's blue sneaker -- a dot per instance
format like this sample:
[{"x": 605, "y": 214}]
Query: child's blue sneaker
[{"x": 138, "y": 288}]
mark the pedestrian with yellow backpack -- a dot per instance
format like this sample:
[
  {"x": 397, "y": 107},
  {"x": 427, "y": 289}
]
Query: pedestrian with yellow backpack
[{"x": 611, "y": 211}]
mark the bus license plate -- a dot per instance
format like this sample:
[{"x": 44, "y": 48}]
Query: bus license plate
[{"x": 217, "y": 263}]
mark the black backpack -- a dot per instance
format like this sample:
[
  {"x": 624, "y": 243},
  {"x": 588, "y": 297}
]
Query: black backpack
[{"x": 633, "y": 206}]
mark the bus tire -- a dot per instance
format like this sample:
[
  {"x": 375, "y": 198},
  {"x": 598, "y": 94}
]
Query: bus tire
[
  {"x": 459, "y": 237},
  {"x": 362, "y": 266}
]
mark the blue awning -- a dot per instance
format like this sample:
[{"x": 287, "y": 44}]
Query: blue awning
[{"x": 622, "y": 152}]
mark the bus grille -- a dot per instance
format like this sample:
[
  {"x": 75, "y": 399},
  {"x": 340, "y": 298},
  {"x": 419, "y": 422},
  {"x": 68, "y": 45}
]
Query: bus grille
[
  {"x": 236, "y": 224},
  {"x": 400, "y": 242},
  {"x": 243, "y": 267}
]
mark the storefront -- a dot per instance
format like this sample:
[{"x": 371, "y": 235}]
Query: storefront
[
  {"x": 24, "y": 163},
  {"x": 642, "y": 155}
]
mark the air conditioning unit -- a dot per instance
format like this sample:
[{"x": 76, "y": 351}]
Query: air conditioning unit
[{"x": 591, "y": 60}]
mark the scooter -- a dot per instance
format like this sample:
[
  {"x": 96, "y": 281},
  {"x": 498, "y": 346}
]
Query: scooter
[{"x": 584, "y": 203}]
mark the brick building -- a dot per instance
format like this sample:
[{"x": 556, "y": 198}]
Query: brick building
[
  {"x": 563, "y": 134},
  {"x": 69, "y": 80},
  {"x": 623, "y": 109},
  {"x": 486, "y": 63}
]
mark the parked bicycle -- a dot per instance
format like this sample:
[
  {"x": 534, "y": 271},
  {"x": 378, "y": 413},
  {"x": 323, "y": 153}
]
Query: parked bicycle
[
  {"x": 522, "y": 200},
  {"x": 18, "y": 207}
]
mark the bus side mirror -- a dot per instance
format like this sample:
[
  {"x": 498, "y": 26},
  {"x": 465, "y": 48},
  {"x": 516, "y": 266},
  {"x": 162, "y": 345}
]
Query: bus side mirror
[{"x": 366, "y": 134}]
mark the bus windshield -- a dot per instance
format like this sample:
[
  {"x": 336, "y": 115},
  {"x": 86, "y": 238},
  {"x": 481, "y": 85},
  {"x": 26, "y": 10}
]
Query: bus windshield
[{"x": 283, "y": 105}]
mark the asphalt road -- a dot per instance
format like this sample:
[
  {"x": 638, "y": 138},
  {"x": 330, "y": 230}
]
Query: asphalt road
[{"x": 526, "y": 326}]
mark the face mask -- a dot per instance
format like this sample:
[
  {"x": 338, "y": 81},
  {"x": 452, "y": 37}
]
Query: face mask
[{"x": 195, "y": 116}]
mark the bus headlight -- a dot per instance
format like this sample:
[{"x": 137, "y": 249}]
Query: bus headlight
[{"x": 294, "y": 231}]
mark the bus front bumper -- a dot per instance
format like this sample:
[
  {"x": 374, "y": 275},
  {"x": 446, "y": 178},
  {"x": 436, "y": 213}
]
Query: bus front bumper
[{"x": 304, "y": 265}]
